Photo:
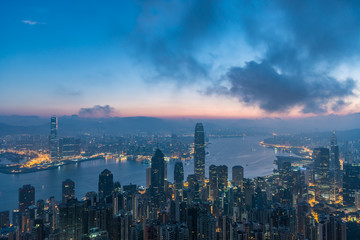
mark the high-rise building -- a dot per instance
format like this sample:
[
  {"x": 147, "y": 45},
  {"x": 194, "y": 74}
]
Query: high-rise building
[
  {"x": 322, "y": 174},
  {"x": 222, "y": 172},
  {"x": 179, "y": 179},
  {"x": 53, "y": 139},
  {"x": 106, "y": 183},
  {"x": 26, "y": 197},
  {"x": 238, "y": 176},
  {"x": 157, "y": 177},
  {"x": 351, "y": 182},
  {"x": 213, "y": 181},
  {"x": 148, "y": 177},
  {"x": 199, "y": 154},
  {"x": 69, "y": 147},
  {"x": 68, "y": 190},
  {"x": 71, "y": 218},
  {"x": 335, "y": 171}
]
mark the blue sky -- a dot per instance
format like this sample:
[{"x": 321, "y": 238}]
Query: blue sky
[{"x": 180, "y": 58}]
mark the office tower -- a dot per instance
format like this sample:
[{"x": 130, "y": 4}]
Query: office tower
[
  {"x": 68, "y": 190},
  {"x": 148, "y": 177},
  {"x": 335, "y": 170},
  {"x": 69, "y": 147},
  {"x": 351, "y": 183},
  {"x": 157, "y": 177},
  {"x": 26, "y": 197},
  {"x": 238, "y": 176},
  {"x": 179, "y": 179},
  {"x": 222, "y": 172},
  {"x": 322, "y": 174},
  {"x": 213, "y": 181},
  {"x": 53, "y": 139},
  {"x": 4, "y": 219},
  {"x": 71, "y": 219},
  {"x": 199, "y": 154},
  {"x": 106, "y": 183}
]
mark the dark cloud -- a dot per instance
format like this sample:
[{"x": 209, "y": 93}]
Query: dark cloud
[
  {"x": 96, "y": 111},
  {"x": 260, "y": 84},
  {"x": 169, "y": 43},
  {"x": 304, "y": 41}
]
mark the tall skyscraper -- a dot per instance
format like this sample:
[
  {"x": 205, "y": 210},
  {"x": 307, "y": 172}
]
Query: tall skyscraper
[
  {"x": 26, "y": 197},
  {"x": 322, "y": 174},
  {"x": 148, "y": 177},
  {"x": 157, "y": 177},
  {"x": 106, "y": 183},
  {"x": 238, "y": 176},
  {"x": 222, "y": 172},
  {"x": 199, "y": 154},
  {"x": 213, "y": 181},
  {"x": 179, "y": 179},
  {"x": 335, "y": 170},
  {"x": 53, "y": 139},
  {"x": 68, "y": 190}
]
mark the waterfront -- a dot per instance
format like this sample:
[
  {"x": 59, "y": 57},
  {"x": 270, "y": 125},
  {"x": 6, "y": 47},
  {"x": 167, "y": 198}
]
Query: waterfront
[{"x": 256, "y": 160}]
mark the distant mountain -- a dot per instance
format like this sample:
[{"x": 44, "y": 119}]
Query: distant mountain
[{"x": 74, "y": 125}]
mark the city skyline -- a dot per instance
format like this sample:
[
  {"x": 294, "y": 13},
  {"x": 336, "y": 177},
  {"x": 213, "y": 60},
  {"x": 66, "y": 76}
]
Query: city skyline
[{"x": 173, "y": 59}]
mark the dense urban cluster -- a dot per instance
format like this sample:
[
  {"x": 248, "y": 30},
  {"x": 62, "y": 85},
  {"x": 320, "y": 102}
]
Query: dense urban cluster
[{"x": 311, "y": 199}]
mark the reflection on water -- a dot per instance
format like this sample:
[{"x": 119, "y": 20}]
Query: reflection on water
[{"x": 256, "y": 160}]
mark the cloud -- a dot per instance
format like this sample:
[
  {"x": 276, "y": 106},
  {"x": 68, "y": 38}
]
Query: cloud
[
  {"x": 303, "y": 41},
  {"x": 66, "y": 91},
  {"x": 297, "y": 44},
  {"x": 30, "y": 22},
  {"x": 260, "y": 84},
  {"x": 97, "y": 111},
  {"x": 167, "y": 35}
]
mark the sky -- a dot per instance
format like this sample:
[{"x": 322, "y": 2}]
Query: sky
[{"x": 198, "y": 59}]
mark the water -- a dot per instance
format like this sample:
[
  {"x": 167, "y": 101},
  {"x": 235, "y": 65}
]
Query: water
[{"x": 256, "y": 160}]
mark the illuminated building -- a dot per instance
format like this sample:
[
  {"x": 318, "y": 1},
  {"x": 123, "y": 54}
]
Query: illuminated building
[
  {"x": 68, "y": 190},
  {"x": 213, "y": 181},
  {"x": 179, "y": 179},
  {"x": 222, "y": 172},
  {"x": 53, "y": 139},
  {"x": 106, "y": 183},
  {"x": 322, "y": 174},
  {"x": 238, "y": 176},
  {"x": 157, "y": 177},
  {"x": 199, "y": 154},
  {"x": 26, "y": 197},
  {"x": 351, "y": 183},
  {"x": 335, "y": 170},
  {"x": 69, "y": 147}
]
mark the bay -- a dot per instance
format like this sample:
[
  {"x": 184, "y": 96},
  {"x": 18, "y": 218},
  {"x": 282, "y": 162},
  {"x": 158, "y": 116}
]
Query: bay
[{"x": 256, "y": 160}]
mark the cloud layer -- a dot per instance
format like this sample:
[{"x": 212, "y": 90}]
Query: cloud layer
[
  {"x": 301, "y": 42},
  {"x": 97, "y": 111}
]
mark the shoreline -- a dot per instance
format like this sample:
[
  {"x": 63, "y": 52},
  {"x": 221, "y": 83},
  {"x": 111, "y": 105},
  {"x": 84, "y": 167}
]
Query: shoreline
[{"x": 9, "y": 170}]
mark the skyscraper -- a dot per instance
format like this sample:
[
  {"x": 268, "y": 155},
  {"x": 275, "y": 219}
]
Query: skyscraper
[
  {"x": 148, "y": 177},
  {"x": 222, "y": 172},
  {"x": 322, "y": 173},
  {"x": 157, "y": 177},
  {"x": 53, "y": 139},
  {"x": 179, "y": 179},
  {"x": 106, "y": 183},
  {"x": 26, "y": 197},
  {"x": 199, "y": 154},
  {"x": 213, "y": 181},
  {"x": 68, "y": 190},
  {"x": 238, "y": 176},
  {"x": 335, "y": 170}
]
